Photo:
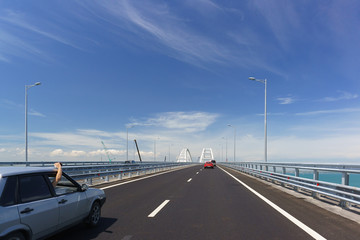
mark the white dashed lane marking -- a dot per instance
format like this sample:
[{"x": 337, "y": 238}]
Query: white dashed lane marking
[{"x": 158, "y": 209}]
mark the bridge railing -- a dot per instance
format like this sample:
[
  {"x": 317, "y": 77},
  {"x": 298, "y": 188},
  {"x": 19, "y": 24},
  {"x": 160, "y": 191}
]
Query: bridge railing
[
  {"x": 99, "y": 172},
  {"x": 289, "y": 174}
]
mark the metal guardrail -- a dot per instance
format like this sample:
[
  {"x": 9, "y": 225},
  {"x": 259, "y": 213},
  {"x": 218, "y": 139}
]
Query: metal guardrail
[
  {"x": 67, "y": 163},
  {"x": 103, "y": 171},
  {"x": 289, "y": 174}
]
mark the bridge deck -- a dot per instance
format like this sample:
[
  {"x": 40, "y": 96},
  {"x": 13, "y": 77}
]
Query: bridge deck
[{"x": 209, "y": 204}]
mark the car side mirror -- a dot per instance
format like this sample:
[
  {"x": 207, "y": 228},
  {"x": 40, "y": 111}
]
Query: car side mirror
[{"x": 84, "y": 187}]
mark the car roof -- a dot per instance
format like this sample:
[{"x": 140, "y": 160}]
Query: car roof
[{"x": 10, "y": 171}]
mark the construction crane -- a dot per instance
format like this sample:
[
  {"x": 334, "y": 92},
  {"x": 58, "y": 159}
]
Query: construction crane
[
  {"x": 106, "y": 151},
  {"x": 137, "y": 149}
]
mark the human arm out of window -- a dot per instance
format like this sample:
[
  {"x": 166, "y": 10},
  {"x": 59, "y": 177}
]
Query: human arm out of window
[{"x": 58, "y": 174}]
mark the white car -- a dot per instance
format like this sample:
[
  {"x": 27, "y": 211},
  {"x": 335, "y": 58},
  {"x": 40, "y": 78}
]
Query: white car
[{"x": 31, "y": 208}]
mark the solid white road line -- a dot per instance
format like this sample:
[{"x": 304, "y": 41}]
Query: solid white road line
[
  {"x": 138, "y": 179},
  {"x": 189, "y": 180},
  {"x": 308, "y": 230},
  {"x": 158, "y": 209}
]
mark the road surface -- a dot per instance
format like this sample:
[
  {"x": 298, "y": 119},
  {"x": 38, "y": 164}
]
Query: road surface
[{"x": 196, "y": 203}]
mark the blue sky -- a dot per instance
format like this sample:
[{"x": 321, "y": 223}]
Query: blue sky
[{"x": 177, "y": 71}]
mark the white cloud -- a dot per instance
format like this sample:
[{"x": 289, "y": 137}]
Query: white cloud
[
  {"x": 75, "y": 153},
  {"x": 57, "y": 152},
  {"x": 334, "y": 140},
  {"x": 339, "y": 148},
  {"x": 21, "y": 151},
  {"x": 186, "y": 121},
  {"x": 325, "y": 149},
  {"x": 343, "y": 96},
  {"x": 333, "y": 111},
  {"x": 101, "y": 152},
  {"x": 173, "y": 33},
  {"x": 68, "y": 139},
  {"x": 282, "y": 18},
  {"x": 72, "y": 153},
  {"x": 35, "y": 113},
  {"x": 96, "y": 133},
  {"x": 11, "y": 45},
  {"x": 176, "y": 128},
  {"x": 286, "y": 100},
  {"x": 10, "y": 104},
  {"x": 23, "y": 21},
  {"x": 159, "y": 27},
  {"x": 97, "y": 152}
]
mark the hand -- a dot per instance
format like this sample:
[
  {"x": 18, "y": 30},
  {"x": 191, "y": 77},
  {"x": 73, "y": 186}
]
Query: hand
[{"x": 57, "y": 165}]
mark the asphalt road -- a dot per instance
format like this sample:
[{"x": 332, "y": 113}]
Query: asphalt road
[{"x": 208, "y": 204}]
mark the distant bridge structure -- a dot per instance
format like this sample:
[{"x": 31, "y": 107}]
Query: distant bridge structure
[
  {"x": 206, "y": 155},
  {"x": 184, "y": 156}
]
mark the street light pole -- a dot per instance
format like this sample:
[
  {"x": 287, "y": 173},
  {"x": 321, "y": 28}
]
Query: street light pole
[
  {"x": 265, "y": 122},
  {"x": 26, "y": 119},
  {"x": 234, "y": 140},
  {"x": 265, "y": 114}
]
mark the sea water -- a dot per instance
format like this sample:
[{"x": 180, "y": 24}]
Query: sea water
[{"x": 354, "y": 179}]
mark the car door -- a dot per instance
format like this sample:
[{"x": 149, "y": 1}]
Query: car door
[
  {"x": 73, "y": 203},
  {"x": 9, "y": 216},
  {"x": 38, "y": 209}
]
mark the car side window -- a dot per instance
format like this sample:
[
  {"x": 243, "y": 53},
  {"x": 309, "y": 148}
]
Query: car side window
[
  {"x": 64, "y": 186},
  {"x": 8, "y": 194},
  {"x": 33, "y": 188}
]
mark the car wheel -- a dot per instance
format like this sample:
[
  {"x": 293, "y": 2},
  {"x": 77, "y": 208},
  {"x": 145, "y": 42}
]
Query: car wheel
[
  {"x": 15, "y": 236},
  {"x": 94, "y": 215}
]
